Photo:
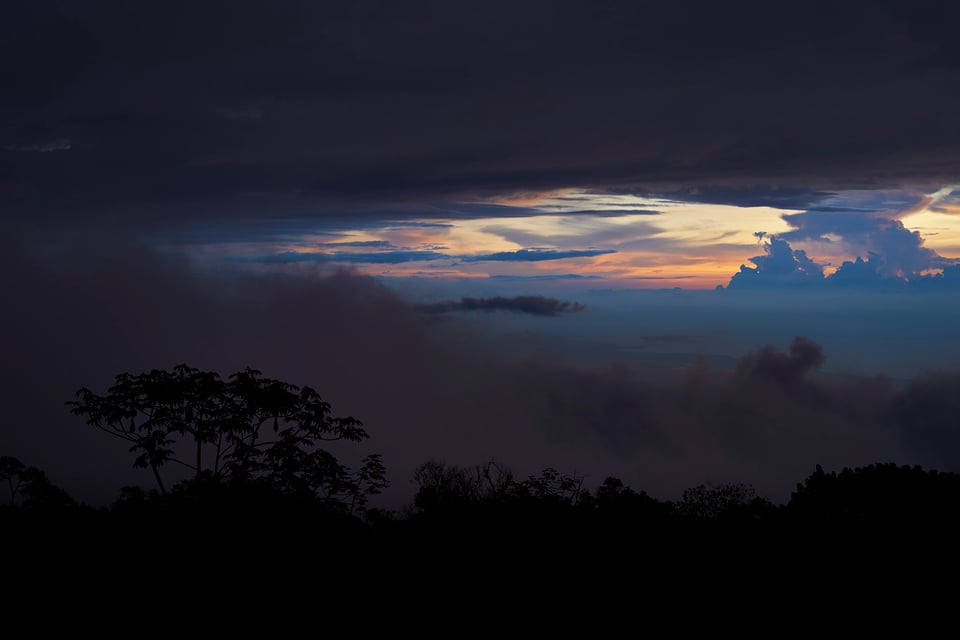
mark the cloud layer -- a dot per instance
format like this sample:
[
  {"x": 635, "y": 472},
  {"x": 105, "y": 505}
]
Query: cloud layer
[
  {"x": 391, "y": 255},
  {"x": 427, "y": 389},
  {"x": 174, "y": 110}
]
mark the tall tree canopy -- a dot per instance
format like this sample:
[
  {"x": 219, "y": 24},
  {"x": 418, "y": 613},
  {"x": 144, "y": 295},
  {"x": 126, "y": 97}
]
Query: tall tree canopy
[{"x": 246, "y": 428}]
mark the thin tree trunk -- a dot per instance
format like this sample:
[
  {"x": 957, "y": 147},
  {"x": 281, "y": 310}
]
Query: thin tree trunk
[{"x": 156, "y": 474}]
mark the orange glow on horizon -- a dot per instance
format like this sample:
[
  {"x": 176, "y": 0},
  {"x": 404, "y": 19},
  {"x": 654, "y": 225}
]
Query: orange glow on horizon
[{"x": 635, "y": 242}]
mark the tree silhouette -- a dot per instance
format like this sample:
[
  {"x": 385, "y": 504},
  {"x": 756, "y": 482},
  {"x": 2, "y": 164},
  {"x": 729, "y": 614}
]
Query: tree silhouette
[
  {"x": 444, "y": 486},
  {"x": 440, "y": 485},
  {"x": 878, "y": 492},
  {"x": 30, "y": 488},
  {"x": 245, "y": 429},
  {"x": 11, "y": 472},
  {"x": 614, "y": 495},
  {"x": 724, "y": 500},
  {"x": 553, "y": 486}
]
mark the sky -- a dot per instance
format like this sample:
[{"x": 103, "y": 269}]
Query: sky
[{"x": 549, "y": 230}]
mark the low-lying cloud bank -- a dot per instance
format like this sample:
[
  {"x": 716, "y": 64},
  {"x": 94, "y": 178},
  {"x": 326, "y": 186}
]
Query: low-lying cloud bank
[{"x": 428, "y": 387}]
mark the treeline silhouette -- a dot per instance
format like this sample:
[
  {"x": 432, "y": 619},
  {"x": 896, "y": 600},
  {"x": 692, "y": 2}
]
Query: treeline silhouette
[
  {"x": 258, "y": 500},
  {"x": 246, "y": 445},
  {"x": 876, "y": 495}
]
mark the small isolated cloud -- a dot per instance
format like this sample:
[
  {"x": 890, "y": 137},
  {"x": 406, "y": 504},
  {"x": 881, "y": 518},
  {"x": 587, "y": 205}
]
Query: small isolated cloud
[
  {"x": 536, "y": 255},
  {"x": 61, "y": 144},
  {"x": 769, "y": 363},
  {"x": 533, "y": 305}
]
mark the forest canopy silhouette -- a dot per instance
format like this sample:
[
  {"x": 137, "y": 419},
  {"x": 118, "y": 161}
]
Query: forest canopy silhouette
[
  {"x": 249, "y": 440},
  {"x": 247, "y": 482}
]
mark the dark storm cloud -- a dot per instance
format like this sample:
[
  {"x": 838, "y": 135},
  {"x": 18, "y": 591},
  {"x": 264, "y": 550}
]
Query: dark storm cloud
[
  {"x": 534, "y": 305},
  {"x": 177, "y": 109}
]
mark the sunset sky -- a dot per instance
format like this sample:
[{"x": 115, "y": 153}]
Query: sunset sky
[
  {"x": 511, "y": 218},
  {"x": 623, "y": 240}
]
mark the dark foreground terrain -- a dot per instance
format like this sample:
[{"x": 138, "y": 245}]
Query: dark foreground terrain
[{"x": 879, "y": 542}]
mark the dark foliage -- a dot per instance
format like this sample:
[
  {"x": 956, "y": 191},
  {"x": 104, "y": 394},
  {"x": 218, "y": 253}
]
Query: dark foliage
[
  {"x": 878, "y": 494},
  {"x": 246, "y": 430},
  {"x": 29, "y": 488},
  {"x": 480, "y": 541},
  {"x": 265, "y": 505}
]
